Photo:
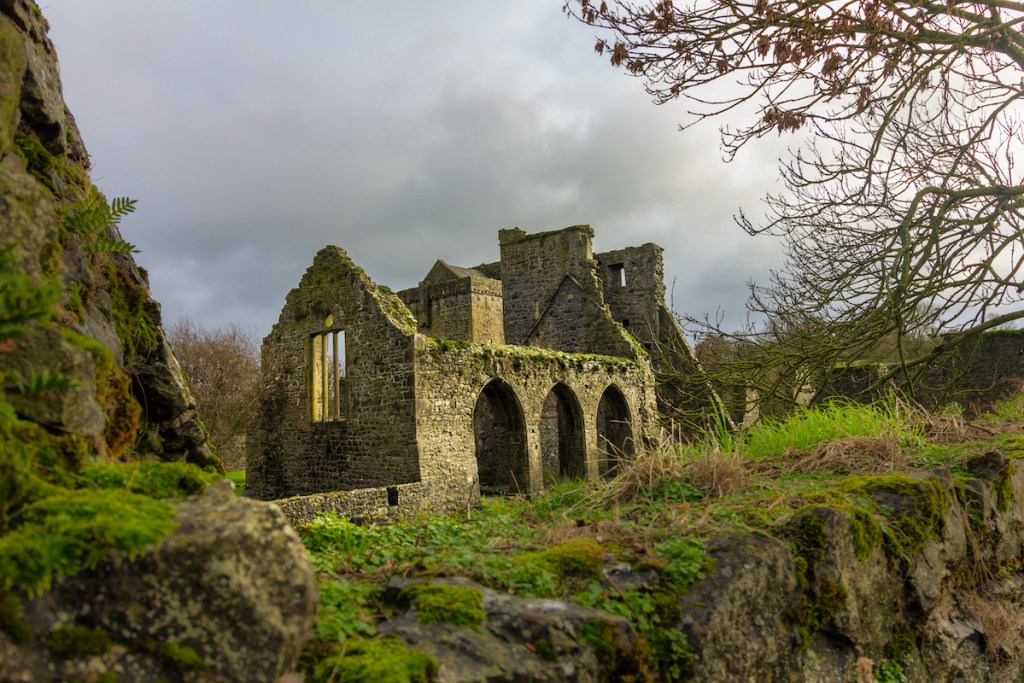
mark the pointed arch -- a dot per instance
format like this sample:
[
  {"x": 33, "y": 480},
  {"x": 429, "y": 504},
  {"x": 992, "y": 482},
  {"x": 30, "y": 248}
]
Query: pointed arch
[
  {"x": 499, "y": 430},
  {"x": 562, "y": 441},
  {"x": 615, "y": 439}
]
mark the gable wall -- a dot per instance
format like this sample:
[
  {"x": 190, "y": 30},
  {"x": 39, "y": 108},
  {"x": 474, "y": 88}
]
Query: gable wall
[{"x": 375, "y": 443}]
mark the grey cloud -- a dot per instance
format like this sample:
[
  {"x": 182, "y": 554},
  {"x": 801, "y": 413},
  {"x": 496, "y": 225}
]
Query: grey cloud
[{"x": 253, "y": 134}]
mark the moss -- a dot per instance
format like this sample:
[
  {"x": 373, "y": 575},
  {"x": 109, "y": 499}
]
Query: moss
[
  {"x": 832, "y": 599},
  {"x": 1002, "y": 487},
  {"x": 457, "y": 605},
  {"x": 182, "y": 657},
  {"x": 12, "y": 620},
  {"x": 113, "y": 393},
  {"x": 580, "y": 558},
  {"x": 73, "y": 641},
  {"x": 916, "y": 507},
  {"x": 155, "y": 479},
  {"x": 865, "y": 529},
  {"x": 384, "y": 660},
  {"x": 821, "y": 596},
  {"x": 616, "y": 655},
  {"x": 38, "y": 160},
  {"x": 68, "y": 531},
  {"x": 132, "y": 312}
]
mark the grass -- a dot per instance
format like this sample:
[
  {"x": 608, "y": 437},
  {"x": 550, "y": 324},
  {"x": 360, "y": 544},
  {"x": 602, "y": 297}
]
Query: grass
[
  {"x": 657, "y": 513},
  {"x": 238, "y": 479}
]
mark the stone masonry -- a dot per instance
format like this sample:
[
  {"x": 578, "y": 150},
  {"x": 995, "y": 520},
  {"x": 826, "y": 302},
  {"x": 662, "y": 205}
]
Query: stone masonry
[{"x": 494, "y": 379}]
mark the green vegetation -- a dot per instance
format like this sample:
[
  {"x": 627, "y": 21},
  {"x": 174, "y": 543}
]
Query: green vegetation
[
  {"x": 154, "y": 479},
  {"x": 71, "y": 641},
  {"x": 458, "y": 605},
  {"x": 182, "y": 657},
  {"x": 657, "y": 516},
  {"x": 833, "y": 421},
  {"x": 238, "y": 479},
  {"x": 385, "y": 660},
  {"x": 68, "y": 531}
]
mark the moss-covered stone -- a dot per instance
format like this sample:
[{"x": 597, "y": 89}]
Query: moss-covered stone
[
  {"x": 915, "y": 506},
  {"x": 12, "y": 69},
  {"x": 155, "y": 479},
  {"x": 456, "y": 605},
  {"x": 132, "y": 312},
  {"x": 580, "y": 558},
  {"x": 384, "y": 660},
  {"x": 68, "y": 531},
  {"x": 72, "y": 641},
  {"x": 113, "y": 393}
]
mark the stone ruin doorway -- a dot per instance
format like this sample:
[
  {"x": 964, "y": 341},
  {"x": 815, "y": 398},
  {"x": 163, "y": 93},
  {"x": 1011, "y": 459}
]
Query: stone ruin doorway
[
  {"x": 562, "y": 445},
  {"x": 614, "y": 432},
  {"x": 499, "y": 431}
]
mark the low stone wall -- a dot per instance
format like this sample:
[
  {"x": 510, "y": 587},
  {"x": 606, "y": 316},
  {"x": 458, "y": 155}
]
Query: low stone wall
[{"x": 391, "y": 503}]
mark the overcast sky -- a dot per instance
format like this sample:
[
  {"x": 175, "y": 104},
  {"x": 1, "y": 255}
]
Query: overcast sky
[{"x": 254, "y": 132}]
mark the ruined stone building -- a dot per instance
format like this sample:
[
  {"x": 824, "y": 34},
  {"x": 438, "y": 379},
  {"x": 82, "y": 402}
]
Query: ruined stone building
[{"x": 498, "y": 378}]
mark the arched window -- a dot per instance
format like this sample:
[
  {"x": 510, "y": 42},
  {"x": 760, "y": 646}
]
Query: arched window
[
  {"x": 614, "y": 431},
  {"x": 499, "y": 430},
  {"x": 562, "y": 444},
  {"x": 327, "y": 373}
]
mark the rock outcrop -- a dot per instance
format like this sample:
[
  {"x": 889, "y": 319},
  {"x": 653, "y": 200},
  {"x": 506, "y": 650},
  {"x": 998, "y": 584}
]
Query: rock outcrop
[
  {"x": 44, "y": 185},
  {"x": 228, "y": 596},
  {"x": 100, "y": 580},
  {"x": 520, "y": 639}
]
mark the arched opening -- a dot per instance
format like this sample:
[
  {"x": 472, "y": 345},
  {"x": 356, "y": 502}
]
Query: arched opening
[
  {"x": 562, "y": 446},
  {"x": 614, "y": 432},
  {"x": 500, "y": 434}
]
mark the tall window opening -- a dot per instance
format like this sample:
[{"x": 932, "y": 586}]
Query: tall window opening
[{"x": 327, "y": 356}]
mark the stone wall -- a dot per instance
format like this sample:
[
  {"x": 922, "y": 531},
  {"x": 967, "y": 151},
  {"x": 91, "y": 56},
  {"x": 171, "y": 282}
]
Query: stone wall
[
  {"x": 634, "y": 305},
  {"x": 374, "y": 443},
  {"x": 451, "y": 381},
  {"x": 552, "y": 294},
  {"x": 451, "y": 388},
  {"x": 984, "y": 370},
  {"x": 466, "y": 308}
]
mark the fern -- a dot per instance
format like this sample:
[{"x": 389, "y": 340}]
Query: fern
[
  {"x": 92, "y": 216},
  {"x": 120, "y": 207},
  {"x": 44, "y": 380},
  {"x": 106, "y": 244}
]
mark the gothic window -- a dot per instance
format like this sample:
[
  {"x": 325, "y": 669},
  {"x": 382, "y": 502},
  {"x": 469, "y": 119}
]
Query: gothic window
[{"x": 327, "y": 376}]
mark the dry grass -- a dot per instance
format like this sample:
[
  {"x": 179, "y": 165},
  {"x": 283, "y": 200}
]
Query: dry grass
[
  {"x": 637, "y": 477},
  {"x": 717, "y": 472},
  {"x": 853, "y": 455},
  {"x": 709, "y": 468},
  {"x": 944, "y": 427},
  {"x": 1000, "y": 624}
]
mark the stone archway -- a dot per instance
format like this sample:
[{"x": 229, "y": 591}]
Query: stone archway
[
  {"x": 614, "y": 431},
  {"x": 499, "y": 431},
  {"x": 562, "y": 443}
]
